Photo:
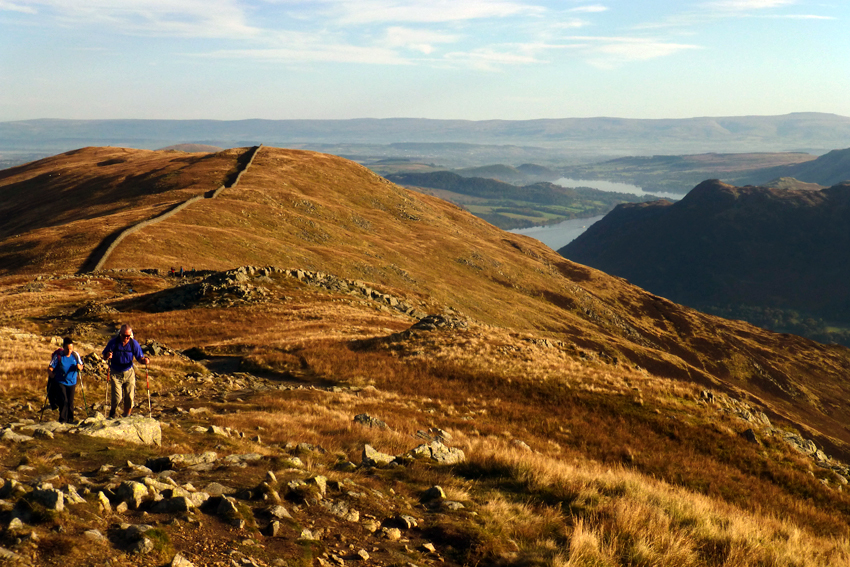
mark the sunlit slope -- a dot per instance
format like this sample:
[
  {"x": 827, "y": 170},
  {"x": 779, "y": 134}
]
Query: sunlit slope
[
  {"x": 313, "y": 211},
  {"x": 58, "y": 210}
]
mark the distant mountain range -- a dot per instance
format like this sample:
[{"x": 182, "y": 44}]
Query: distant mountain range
[
  {"x": 777, "y": 258},
  {"x": 814, "y": 132}
]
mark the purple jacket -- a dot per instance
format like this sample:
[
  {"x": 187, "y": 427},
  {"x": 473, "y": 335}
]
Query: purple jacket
[{"x": 123, "y": 355}]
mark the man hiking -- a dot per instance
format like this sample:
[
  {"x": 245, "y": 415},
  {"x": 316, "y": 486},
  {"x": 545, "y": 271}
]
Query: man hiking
[
  {"x": 64, "y": 368},
  {"x": 120, "y": 352}
]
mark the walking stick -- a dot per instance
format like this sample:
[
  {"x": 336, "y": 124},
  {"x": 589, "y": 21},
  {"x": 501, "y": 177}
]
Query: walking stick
[
  {"x": 83, "y": 388},
  {"x": 148, "y": 383},
  {"x": 44, "y": 405},
  {"x": 106, "y": 393}
]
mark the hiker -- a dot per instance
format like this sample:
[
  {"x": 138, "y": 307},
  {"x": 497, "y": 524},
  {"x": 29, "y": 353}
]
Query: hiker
[
  {"x": 120, "y": 352},
  {"x": 65, "y": 366},
  {"x": 181, "y": 271}
]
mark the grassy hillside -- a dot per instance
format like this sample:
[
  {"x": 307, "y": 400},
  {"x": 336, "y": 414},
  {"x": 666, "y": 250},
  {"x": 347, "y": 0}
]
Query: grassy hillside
[{"x": 601, "y": 424}]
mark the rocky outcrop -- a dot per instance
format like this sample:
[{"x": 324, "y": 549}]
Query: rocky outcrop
[{"x": 144, "y": 430}]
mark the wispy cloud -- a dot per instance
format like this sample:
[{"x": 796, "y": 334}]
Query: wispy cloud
[
  {"x": 592, "y": 9},
  {"x": 746, "y": 5},
  {"x": 417, "y": 39},
  {"x": 423, "y": 11},
  {"x": 16, "y": 7},
  {"x": 185, "y": 18},
  {"x": 611, "y": 52}
]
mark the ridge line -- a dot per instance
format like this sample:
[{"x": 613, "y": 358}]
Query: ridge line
[{"x": 117, "y": 238}]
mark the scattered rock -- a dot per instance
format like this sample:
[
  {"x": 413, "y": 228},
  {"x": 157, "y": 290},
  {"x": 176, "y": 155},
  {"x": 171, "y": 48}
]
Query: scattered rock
[
  {"x": 143, "y": 430},
  {"x": 180, "y": 561},
  {"x": 434, "y": 493},
  {"x": 373, "y": 458},
  {"x": 369, "y": 421}
]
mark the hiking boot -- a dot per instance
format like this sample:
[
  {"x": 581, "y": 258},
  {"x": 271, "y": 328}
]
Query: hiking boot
[{"x": 127, "y": 413}]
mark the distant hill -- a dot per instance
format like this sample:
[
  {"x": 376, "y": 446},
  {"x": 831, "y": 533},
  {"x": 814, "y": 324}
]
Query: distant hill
[
  {"x": 609, "y": 136},
  {"x": 193, "y": 148},
  {"x": 526, "y": 173},
  {"x": 508, "y": 206},
  {"x": 829, "y": 169},
  {"x": 678, "y": 173},
  {"x": 778, "y": 258}
]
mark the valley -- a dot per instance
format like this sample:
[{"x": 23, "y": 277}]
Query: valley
[{"x": 598, "y": 423}]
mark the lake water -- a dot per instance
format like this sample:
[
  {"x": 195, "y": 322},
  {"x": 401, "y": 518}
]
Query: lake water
[
  {"x": 559, "y": 235},
  {"x": 613, "y": 187}
]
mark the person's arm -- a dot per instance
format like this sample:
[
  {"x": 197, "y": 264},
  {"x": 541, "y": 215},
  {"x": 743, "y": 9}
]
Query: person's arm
[
  {"x": 107, "y": 351},
  {"x": 79, "y": 361},
  {"x": 52, "y": 366},
  {"x": 140, "y": 356}
]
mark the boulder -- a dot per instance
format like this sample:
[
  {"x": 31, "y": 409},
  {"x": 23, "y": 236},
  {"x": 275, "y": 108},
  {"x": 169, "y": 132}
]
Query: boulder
[
  {"x": 369, "y": 421},
  {"x": 373, "y": 458},
  {"x": 142, "y": 430},
  {"x": 48, "y": 497},
  {"x": 133, "y": 493},
  {"x": 11, "y": 436}
]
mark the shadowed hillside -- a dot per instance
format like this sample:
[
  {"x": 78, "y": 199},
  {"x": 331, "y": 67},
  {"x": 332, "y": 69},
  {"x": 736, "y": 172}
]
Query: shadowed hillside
[
  {"x": 748, "y": 250},
  {"x": 593, "y": 415}
]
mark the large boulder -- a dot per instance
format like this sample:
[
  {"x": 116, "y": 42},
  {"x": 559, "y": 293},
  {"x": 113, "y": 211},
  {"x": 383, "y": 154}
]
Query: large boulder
[{"x": 143, "y": 430}]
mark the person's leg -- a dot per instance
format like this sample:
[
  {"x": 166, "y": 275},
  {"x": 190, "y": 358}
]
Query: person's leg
[
  {"x": 129, "y": 391},
  {"x": 69, "y": 403},
  {"x": 116, "y": 392},
  {"x": 62, "y": 391}
]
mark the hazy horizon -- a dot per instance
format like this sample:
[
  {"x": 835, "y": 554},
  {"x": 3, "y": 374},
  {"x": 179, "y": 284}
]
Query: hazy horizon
[{"x": 473, "y": 60}]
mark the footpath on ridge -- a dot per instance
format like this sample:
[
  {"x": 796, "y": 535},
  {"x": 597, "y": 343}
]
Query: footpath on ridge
[{"x": 101, "y": 253}]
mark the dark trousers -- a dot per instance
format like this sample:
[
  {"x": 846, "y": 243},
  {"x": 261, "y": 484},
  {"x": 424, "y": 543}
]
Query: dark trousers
[{"x": 66, "y": 407}]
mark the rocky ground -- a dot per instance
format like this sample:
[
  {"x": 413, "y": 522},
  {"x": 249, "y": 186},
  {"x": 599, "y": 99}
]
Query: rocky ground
[{"x": 100, "y": 492}]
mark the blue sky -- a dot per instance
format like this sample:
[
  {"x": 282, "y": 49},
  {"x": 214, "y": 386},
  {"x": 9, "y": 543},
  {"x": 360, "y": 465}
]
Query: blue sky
[{"x": 468, "y": 59}]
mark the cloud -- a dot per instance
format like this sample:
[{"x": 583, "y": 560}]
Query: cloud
[
  {"x": 183, "y": 18},
  {"x": 589, "y": 9},
  {"x": 417, "y": 39},
  {"x": 16, "y": 7},
  {"x": 353, "y": 12},
  {"x": 747, "y": 5},
  {"x": 611, "y": 52},
  {"x": 339, "y": 53},
  {"x": 490, "y": 59}
]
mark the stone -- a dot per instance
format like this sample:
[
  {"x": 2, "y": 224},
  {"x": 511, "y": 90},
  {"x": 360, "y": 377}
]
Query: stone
[
  {"x": 362, "y": 554},
  {"x": 406, "y": 522},
  {"x": 10, "y": 556},
  {"x": 751, "y": 436},
  {"x": 429, "y": 547},
  {"x": 279, "y": 512},
  {"x": 72, "y": 496},
  {"x": 434, "y": 493},
  {"x": 345, "y": 466},
  {"x": 173, "y": 505},
  {"x": 131, "y": 492},
  {"x": 180, "y": 561},
  {"x": 240, "y": 459},
  {"x": 392, "y": 534},
  {"x": 369, "y": 421},
  {"x": 42, "y": 433},
  {"x": 373, "y": 458},
  {"x": 15, "y": 524},
  {"x": 227, "y": 508},
  {"x": 216, "y": 489},
  {"x": 320, "y": 482},
  {"x": 371, "y": 525},
  {"x": 274, "y": 528},
  {"x": 104, "y": 502},
  {"x": 122, "y": 508},
  {"x": 12, "y": 437},
  {"x": 452, "y": 505},
  {"x": 446, "y": 455},
  {"x": 216, "y": 430},
  {"x": 142, "y": 546},
  {"x": 94, "y": 536},
  {"x": 141, "y": 430},
  {"x": 50, "y": 498}
]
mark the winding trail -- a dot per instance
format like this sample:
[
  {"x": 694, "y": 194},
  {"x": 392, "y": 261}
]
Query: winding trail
[{"x": 101, "y": 253}]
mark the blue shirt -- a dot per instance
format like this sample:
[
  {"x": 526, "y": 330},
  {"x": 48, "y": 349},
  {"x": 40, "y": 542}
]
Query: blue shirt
[
  {"x": 65, "y": 368},
  {"x": 123, "y": 355}
]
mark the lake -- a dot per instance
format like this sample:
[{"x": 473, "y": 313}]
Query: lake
[
  {"x": 613, "y": 187},
  {"x": 559, "y": 235}
]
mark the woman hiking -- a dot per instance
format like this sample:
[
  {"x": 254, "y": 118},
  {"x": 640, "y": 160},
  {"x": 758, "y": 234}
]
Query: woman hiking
[{"x": 64, "y": 369}]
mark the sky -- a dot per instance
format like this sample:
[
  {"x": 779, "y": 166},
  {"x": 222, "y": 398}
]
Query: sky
[{"x": 450, "y": 59}]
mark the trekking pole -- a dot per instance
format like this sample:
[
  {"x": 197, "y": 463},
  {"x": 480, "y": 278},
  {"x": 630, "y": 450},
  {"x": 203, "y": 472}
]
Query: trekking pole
[
  {"x": 83, "y": 388},
  {"x": 106, "y": 393},
  {"x": 148, "y": 383},
  {"x": 44, "y": 405}
]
